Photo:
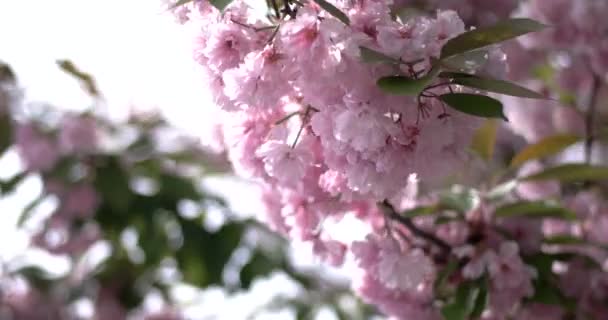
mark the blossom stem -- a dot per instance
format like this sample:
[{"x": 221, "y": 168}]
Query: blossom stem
[
  {"x": 390, "y": 211},
  {"x": 304, "y": 119},
  {"x": 589, "y": 131}
]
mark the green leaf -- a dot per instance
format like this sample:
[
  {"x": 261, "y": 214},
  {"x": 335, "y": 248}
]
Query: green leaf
[
  {"x": 218, "y": 4},
  {"x": 6, "y": 132},
  {"x": 563, "y": 239},
  {"x": 221, "y": 4},
  {"x": 485, "y": 36},
  {"x": 402, "y": 85},
  {"x": 466, "y": 61},
  {"x": 534, "y": 209},
  {"x": 28, "y": 210},
  {"x": 546, "y": 293},
  {"x": 482, "y": 300},
  {"x": 260, "y": 265},
  {"x": 112, "y": 182},
  {"x": 546, "y": 147},
  {"x": 420, "y": 211},
  {"x": 464, "y": 302},
  {"x": 474, "y": 104},
  {"x": 484, "y": 139},
  {"x": 574, "y": 172},
  {"x": 404, "y": 13},
  {"x": 9, "y": 186},
  {"x": 501, "y": 190},
  {"x": 87, "y": 80},
  {"x": 493, "y": 85},
  {"x": 372, "y": 56},
  {"x": 337, "y": 13},
  {"x": 460, "y": 200},
  {"x": 180, "y": 3},
  {"x": 444, "y": 275}
]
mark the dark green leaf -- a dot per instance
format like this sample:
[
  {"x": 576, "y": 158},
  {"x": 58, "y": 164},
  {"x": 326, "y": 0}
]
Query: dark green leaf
[
  {"x": 458, "y": 200},
  {"x": 87, "y": 80},
  {"x": 546, "y": 293},
  {"x": 420, "y": 211},
  {"x": 534, "y": 209},
  {"x": 482, "y": 300},
  {"x": 464, "y": 302},
  {"x": 220, "y": 4},
  {"x": 563, "y": 239},
  {"x": 401, "y": 85},
  {"x": 466, "y": 61},
  {"x": 485, "y": 36},
  {"x": 9, "y": 186},
  {"x": 501, "y": 190},
  {"x": 372, "y": 56},
  {"x": 337, "y": 13},
  {"x": 260, "y": 265},
  {"x": 28, "y": 210},
  {"x": 546, "y": 147},
  {"x": 484, "y": 139},
  {"x": 575, "y": 172},
  {"x": 6, "y": 73},
  {"x": 476, "y": 105},
  {"x": 112, "y": 182},
  {"x": 444, "y": 274},
  {"x": 6, "y": 132},
  {"x": 454, "y": 312},
  {"x": 493, "y": 85},
  {"x": 180, "y": 3}
]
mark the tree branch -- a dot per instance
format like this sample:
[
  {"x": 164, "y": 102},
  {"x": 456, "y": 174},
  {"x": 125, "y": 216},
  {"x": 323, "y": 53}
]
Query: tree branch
[
  {"x": 589, "y": 119},
  {"x": 390, "y": 211}
]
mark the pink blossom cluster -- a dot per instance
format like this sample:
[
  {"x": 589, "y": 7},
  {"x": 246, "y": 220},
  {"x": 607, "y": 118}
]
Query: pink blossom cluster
[
  {"x": 41, "y": 152},
  {"x": 303, "y": 113}
]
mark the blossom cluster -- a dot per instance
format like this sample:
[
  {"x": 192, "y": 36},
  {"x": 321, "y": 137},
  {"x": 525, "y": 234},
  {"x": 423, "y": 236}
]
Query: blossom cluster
[{"x": 302, "y": 113}]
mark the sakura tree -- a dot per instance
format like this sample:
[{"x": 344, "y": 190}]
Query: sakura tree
[{"x": 470, "y": 142}]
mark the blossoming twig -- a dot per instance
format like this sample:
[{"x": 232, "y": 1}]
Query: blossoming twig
[{"x": 390, "y": 211}]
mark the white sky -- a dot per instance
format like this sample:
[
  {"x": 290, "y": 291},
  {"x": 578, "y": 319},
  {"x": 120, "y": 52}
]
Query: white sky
[{"x": 138, "y": 54}]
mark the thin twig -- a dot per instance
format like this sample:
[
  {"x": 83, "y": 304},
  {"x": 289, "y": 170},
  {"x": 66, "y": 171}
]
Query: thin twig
[
  {"x": 304, "y": 119},
  {"x": 390, "y": 211},
  {"x": 589, "y": 130}
]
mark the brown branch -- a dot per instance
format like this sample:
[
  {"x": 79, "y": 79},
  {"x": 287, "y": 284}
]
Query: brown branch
[
  {"x": 390, "y": 211},
  {"x": 589, "y": 130}
]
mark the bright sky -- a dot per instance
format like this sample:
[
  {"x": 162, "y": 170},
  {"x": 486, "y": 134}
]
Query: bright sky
[{"x": 137, "y": 54}]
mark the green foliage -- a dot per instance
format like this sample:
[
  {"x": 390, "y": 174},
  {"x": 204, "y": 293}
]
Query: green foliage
[
  {"x": 547, "y": 147},
  {"x": 465, "y": 61},
  {"x": 574, "y": 172},
  {"x": 474, "y": 104},
  {"x": 401, "y": 85},
  {"x": 534, "y": 209},
  {"x": 485, "y": 36},
  {"x": 469, "y": 301},
  {"x": 331, "y": 9},
  {"x": 372, "y": 56},
  {"x": 491, "y": 85},
  {"x": 86, "y": 79},
  {"x": 484, "y": 139},
  {"x": 6, "y": 132}
]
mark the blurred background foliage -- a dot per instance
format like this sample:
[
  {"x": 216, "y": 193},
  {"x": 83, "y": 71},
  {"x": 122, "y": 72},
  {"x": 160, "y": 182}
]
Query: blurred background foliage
[{"x": 132, "y": 218}]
